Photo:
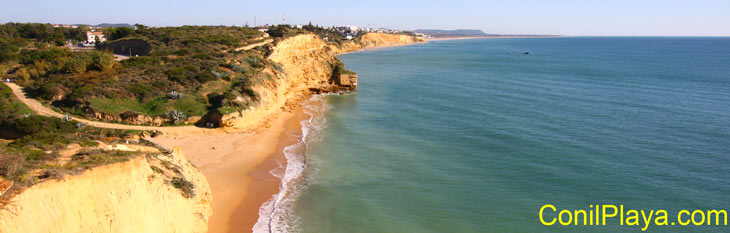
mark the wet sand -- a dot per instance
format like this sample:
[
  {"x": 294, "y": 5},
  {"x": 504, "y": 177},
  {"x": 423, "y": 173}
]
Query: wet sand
[{"x": 238, "y": 168}]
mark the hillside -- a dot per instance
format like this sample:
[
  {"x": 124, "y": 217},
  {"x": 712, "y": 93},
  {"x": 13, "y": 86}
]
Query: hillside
[
  {"x": 183, "y": 75},
  {"x": 48, "y": 159}
]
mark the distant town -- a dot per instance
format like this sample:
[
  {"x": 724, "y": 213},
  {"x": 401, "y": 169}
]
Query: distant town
[{"x": 95, "y": 35}]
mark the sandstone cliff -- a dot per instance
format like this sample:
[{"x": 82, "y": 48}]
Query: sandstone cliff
[
  {"x": 307, "y": 64},
  {"x": 374, "y": 40},
  {"x": 122, "y": 197},
  {"x": 137, "y": 195}
]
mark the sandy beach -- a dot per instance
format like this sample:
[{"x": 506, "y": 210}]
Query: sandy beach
[{"x": 238, "y": 168}]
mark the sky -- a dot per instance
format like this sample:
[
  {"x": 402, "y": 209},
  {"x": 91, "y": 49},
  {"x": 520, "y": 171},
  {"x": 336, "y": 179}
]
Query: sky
[{"x": 557, "y": 17}]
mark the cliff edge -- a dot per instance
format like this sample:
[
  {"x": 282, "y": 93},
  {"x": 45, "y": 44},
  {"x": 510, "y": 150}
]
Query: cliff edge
[
  {"x": 143, "y": 194},
  {"x": 307, "y": 64}
]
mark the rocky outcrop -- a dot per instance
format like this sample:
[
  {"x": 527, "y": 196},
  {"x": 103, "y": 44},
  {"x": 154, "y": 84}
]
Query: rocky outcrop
[
  {"x": 307, "y": 62},
  {"x": 346, "y": 80},
  {"x": 128, "y": 117},
  {"x": 132, "y": 196}
]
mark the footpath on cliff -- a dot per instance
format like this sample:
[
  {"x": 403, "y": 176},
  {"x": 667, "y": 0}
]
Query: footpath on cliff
[{"x": 40, "y": 109}]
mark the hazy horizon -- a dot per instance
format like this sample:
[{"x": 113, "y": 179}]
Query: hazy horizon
[{"x": 563, "y": 17}]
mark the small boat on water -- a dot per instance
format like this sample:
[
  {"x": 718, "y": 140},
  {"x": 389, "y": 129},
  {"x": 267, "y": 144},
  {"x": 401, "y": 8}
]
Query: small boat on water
[{"x": 526, "y": 53}]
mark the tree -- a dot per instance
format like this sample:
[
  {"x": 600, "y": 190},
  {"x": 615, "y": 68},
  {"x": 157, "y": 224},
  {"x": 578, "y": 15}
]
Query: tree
[
  {"x": 120, "y": 32},
  {"x": 7, "y": 50},
  {"x": 103, "y": 61}
]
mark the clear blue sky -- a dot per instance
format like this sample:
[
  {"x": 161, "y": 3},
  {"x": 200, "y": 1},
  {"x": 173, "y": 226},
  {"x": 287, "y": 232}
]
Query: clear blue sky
[{"x": 565, "y": 17}]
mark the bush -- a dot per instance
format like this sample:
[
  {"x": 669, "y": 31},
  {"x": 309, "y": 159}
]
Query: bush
[
  {"x": 141, "y": 62},
  {"x": 238, "y": 68},
  {"x": 11, "y": 164},
  {"x": 205, "y": 77},
  {"x": 176, "y": 116},
  {"x": 77, "y": 64},
  {"x": 36, "y": 124},
  {"x": 175, "y": 95},
  {"x": 185, "y": 186},
  {"x": 7, "y": 50},
  {"x": 220, "y": 74},
  {"x": 120, "y": 32},
  {"x": 102, "y": 60}
]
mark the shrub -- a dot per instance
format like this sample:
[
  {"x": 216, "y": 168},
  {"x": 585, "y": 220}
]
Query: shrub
[
  {"x": 205, "y": 77},
  {"x": 37, "y": 124},
  {"x": 238, "y": 68},
  {"x": 7, "y": 50},
  {"x": 141, "y": 90},
  {"x": 11, "y": 164},
  {"x": 220, "y": 74},
  {"x": 255, "y": 63},
  {"x": 77, "y": 64},
  {"x": 176, "y": 116},
  {"x": 185, "y": 186},
  {"x": 141, "y": 62},
  {"x": 120, "y": 32},
  {"x": 157, "y": 169},
  {"x": 175, "y": 95},
  {"x": 102, "y": 60}
]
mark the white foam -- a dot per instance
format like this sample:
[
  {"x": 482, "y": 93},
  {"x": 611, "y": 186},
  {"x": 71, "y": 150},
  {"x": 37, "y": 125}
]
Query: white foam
[{"x": 277, "y": 214}]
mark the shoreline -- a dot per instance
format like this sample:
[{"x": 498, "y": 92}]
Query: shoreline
[
  {"x": 238, "y": 167},
  {"x": 487, "y": 37}
]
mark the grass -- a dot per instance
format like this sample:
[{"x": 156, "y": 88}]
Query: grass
[
  {"x": 12, "y": 103},
  {"x": 214, "y": 86},
  {"x": 227, "y": 110},
  {"x": 190, "y": 105},
  {"x": 95, "y": 157}
]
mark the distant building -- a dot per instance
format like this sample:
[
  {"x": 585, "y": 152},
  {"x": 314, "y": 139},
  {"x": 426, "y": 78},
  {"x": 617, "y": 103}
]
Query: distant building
[
  {"x": 64, "y": 26},
  {"x": 94, "y": 36},
  {"x": 299, "y": 26}
]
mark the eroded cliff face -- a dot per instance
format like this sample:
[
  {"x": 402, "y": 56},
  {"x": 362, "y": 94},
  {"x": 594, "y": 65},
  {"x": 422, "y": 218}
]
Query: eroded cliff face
[
  {"x": 374, "y": 40},
  {"x": 122, "y": 197},
  {"x": 306, "y": 63}
]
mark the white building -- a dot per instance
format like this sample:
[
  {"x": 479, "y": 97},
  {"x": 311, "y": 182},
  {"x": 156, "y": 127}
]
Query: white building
[{"x": 94, "y": 36}]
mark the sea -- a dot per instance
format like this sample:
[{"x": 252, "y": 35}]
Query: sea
[{"x": 478, "y": 135}]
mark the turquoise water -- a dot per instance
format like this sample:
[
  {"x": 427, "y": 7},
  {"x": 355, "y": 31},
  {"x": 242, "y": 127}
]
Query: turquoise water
[{"x": 474, "y": 136}]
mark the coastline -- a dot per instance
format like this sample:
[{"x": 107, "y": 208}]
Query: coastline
[
  {"x": 487, "y": 37},
  {"x": 247, "y": 171},
  {"x": 238, "y": 167}
]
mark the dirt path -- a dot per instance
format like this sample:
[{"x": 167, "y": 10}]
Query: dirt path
[
  {"x": 45, "y": 111},
  {"x": 251, "y": 46}
]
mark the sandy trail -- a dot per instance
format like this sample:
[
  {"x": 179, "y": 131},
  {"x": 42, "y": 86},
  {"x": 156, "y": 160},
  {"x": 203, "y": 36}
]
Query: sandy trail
[
  {"x": 237, "y": 165},
  {"x": 251, "y": 46},
  {"x": 36, "y": 106}
]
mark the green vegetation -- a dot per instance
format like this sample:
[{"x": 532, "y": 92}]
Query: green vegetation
[
  {"x": 339, "y": 68},
  {"x": 30, "y": 142},
  {"x": 185, "y": 186},
  {"x": 192, "y": 70},
  {"x": 182, "y": 60},
  {"x": 10, "y": 106},
  {"x": 25, "y": 34},
  {"x": 90, "y": 158}
]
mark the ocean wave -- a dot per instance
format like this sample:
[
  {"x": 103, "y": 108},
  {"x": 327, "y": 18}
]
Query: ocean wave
[{"x": 277, "y": 214}]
